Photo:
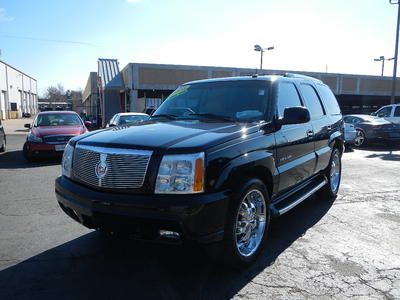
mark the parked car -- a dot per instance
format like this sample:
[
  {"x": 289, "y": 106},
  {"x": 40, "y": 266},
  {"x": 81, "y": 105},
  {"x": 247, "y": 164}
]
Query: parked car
[
  {"x": 390, "y": 112},
  {"x": 149, "y": 110},
  {"x": 350, "y": 134},
  {"x": 3, "y": 138},
  {"x": 127, "y": 118},
  {"x": 373, "y": 129},
  {"x": 216, "y": 161},
  {"x": 50, "y": 132}
]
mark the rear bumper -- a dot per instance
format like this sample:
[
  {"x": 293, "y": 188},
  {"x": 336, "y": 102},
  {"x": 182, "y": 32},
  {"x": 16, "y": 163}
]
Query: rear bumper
[{"x": 195, "y": 217}]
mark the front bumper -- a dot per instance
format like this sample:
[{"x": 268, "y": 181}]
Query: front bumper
[
  {"x": 198, "y": 217},
  {"x": 44, "y": 149}
]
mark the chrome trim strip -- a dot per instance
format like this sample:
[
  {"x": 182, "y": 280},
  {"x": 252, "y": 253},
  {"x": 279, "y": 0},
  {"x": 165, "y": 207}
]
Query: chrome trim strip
[
  {"x": 302, "y": 198},
  {"x": 108, "y": 150}
]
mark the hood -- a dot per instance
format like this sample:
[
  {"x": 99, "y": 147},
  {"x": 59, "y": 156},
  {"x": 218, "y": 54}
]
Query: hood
[
  {"x": 177, "y": 135},
  {"x": 55, "y": 130}
]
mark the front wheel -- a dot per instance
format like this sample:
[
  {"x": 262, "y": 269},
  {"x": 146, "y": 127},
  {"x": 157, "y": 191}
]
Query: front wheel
[
  {"x": 333, "y": 174},
  {"x": 3, "y": 146},
  {"x": 247, "y": 224}
]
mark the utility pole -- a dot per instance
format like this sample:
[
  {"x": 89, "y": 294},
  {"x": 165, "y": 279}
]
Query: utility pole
[{"x": 392, "y": 98}]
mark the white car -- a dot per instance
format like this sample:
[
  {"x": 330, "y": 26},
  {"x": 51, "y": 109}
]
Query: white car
[
  {"x": 127, "y": 118},
  {"x": 389, "y": 112}
]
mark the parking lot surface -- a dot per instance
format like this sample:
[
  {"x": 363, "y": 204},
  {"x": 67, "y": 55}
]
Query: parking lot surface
[{"x": 321, "y": 249}]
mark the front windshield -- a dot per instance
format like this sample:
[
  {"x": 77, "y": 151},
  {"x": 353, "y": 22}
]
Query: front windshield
[
  {"x": 58, "y": 120},
  {"x": 132, "y": 119},
  {"x": 238, "y": 101}
]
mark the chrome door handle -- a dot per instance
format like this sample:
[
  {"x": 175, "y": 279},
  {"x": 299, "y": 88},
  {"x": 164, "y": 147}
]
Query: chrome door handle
[{"x": 310, "y": 133}]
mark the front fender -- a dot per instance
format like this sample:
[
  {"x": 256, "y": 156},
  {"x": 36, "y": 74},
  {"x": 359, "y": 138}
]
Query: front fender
[{"x": 260, "y": 163}]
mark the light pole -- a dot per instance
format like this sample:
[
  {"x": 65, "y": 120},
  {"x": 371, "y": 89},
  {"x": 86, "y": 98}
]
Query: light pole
[
  {"x": 392, "y": 98},
  {"x": 382, "y": 59},
  {"x": 262, "y": 50}
]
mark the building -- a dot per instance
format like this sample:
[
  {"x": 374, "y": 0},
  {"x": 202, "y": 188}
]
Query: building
[
  {"x": 139, "y": 86},
  {"x": 18, "y": 93}
]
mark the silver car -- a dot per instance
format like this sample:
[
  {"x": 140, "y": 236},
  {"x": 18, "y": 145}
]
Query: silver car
[{"x": 350, "y": 134}]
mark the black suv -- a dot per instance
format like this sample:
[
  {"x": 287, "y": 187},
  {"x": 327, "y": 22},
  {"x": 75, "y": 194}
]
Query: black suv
[{"x": 215, "y": 162}]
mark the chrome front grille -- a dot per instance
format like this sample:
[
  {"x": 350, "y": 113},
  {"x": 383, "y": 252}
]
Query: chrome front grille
[{"x": 111, "y": 167}]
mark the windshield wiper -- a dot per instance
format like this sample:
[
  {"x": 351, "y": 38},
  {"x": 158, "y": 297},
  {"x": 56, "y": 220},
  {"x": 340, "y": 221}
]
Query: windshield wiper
[
  {"x": 214, "y": 117},
  {"x": 166, "y": 116}
]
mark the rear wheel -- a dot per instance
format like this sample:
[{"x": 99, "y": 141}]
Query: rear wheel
[
  {"x": 333, "y": 174},
  {"x": 247, "y": 224},
  {"x": 360, "y": 138}
]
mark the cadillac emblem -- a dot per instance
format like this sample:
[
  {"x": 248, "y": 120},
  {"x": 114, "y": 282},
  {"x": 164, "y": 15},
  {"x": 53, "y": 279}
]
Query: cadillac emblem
[{"x": 101, "y": 167}]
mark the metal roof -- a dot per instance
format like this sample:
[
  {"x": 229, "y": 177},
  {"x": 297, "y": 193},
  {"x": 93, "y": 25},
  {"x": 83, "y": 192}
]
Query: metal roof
[{"x": 109, "y": 75}]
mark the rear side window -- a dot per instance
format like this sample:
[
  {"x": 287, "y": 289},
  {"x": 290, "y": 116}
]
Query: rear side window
[
  {"x": 287, "y": 97},
  {"x": 329, "y": 99},
  {"x": 312, "y": 101},
  {"x": 397, "y": 111}
]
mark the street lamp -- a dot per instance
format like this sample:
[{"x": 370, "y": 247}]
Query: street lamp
[
  {"x": 382, "y": 59},
  {"x": 392, "y": 98},
  {"x": 262, "y": 50}
]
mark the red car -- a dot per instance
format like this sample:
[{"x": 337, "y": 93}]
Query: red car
[{"x": 50, "y": 132}]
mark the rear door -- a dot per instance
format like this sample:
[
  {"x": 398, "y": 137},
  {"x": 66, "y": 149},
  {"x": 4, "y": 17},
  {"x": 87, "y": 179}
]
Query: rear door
[
  {"x": 321, "y": 125},
  {"x": 295, "y": 149}
]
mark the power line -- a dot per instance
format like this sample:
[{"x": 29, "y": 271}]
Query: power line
[{"x": 46, "y": 40}]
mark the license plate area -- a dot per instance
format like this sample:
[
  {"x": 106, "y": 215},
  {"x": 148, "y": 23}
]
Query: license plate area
[{"x": 60, "y": 147}]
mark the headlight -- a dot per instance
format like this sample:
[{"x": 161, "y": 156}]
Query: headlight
[
  {"x": 66, "y": 165},
  {"x": 181, "y": 174},
  {"x": 34, "y": 138}
]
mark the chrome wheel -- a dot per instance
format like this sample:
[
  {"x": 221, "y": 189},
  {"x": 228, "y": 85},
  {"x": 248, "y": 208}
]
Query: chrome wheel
[
  {"x": 250, "y": 222},
  {"x": 335, "y": 172},
  {"x": 360, "y": 138}
]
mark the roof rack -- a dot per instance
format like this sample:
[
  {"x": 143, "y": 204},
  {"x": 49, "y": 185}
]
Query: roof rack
[{"x": 294, "y": 75}]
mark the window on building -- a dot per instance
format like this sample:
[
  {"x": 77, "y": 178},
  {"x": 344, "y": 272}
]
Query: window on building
[{"x": 287, "y": 97}]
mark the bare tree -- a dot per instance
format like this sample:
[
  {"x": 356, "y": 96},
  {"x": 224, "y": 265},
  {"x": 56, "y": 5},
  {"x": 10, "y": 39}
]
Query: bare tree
[{"x": 55, "y": 93}]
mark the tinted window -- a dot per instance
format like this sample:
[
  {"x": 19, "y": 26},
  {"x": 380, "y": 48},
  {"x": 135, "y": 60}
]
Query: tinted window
[
  {"x": 397, "y": 111},
  {"x": 238, "y": 100},
  {"x": 329, "y": 99},
  {"x": 132, "y": 119},
  {"x": 384, "y": 112},
  {"x": 312, "y": 101},
  {"x": 58, "y": 120},
  {"x": 287, "y": 97}
]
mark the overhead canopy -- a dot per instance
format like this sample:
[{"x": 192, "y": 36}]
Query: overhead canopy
[{"x": 109, "y": 75}]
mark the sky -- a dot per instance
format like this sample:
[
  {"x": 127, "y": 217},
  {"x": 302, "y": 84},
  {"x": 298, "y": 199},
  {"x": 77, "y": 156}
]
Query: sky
[{"x": 60, "y": 41}]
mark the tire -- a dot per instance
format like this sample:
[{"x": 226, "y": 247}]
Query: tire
[
  {"x": 3, "y": 146},
  {"x": 360, "y": 138},
  {"x": 334, "y": 175},
  {"x": 27, "y": 156},
  {"x": 242, "y": 248}
]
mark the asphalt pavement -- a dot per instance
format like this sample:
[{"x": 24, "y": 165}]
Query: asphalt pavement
[{"x": 320, "y": 250}]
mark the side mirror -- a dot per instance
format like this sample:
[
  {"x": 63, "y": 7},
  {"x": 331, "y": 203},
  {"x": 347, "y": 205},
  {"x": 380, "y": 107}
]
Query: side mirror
[
  {"x": 88, "y": 124},
  {"x": 110, "y": 125},
  {"x": 295, "y": 115},
  {"x": 27, "y": 126}
]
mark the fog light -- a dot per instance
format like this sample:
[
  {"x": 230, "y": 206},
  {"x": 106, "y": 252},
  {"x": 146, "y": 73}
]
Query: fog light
[{"x": 169, "y": 234}]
